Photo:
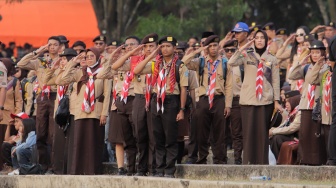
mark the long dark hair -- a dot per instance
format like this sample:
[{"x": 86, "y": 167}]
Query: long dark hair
[
  {"x": 295, "y": 44},
  {"x": 29, "y": 125},
  {"x": 24, "y": 74}
]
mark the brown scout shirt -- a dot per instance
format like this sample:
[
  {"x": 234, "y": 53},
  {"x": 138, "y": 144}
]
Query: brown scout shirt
[
  {"x": 317, "y": 73},
  {"x": 220, "y": 89},
  {"x": 236, "y": 81},
  {"x": 102, "y": 87},
  {"x": 11, "y": 105},
  {"x": 184, "y": 74},
  {"x": 271, "y": 91},
  {"x": 3, "y": 75},
  {"x": 30, "y": 62}
]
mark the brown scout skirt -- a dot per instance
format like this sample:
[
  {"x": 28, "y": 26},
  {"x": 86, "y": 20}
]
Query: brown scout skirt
[
  {"x": 255, "y": 124},
  {"x": 88, "y": 147},
  {"x": 312, "y": 150}
]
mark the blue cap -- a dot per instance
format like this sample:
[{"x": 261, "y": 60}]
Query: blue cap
[{"x": 241, "y": 27}]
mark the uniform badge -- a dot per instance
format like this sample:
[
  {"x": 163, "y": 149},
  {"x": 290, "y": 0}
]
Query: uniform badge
[
  {"x": 186, "y": 73},
  {"x": 139, "y": 78},
  {"x": 121, "y": 77},
  {"x": 91, "y": 77},
  {"x": 169, "y": 39},
  {"x": 238, "y": 80},
  {"x": 114, "y": 43},
  {"x": 282, "y": 32},
  {"x": 151, "y": 39},
  {"x": 267, "y": 28},
  {"x": 1, "y": 73},
  {"x": 268, "y": 63},
  {"x": 101, "y": 37}
]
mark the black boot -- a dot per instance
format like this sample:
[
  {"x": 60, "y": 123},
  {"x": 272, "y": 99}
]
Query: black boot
[
  {"x": 122, "y": 171},
  {"x": 180, "y": 153}
]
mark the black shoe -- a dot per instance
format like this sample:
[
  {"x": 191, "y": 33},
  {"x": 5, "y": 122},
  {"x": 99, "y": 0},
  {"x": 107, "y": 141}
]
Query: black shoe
[
  {"x": 169, "y": 176},
  {"x": 140, "y": 174},
  {"x": 238, "y": 162},
  {"x": 158, "y": 174},
  {"x": 121, "y": 172},
  {"x": 49, "y": 172}
]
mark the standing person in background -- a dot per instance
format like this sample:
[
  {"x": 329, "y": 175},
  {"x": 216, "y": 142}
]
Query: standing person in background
[
  {"x": 330, "y": 30},
  {"x": 311, "y": 150},
  {"x": 261, "y": 89},
  {"x": 29, "y": 91},
  {"x": 45, "y": 99},
  {"x": 100, "y": 44},
  {"x": 13, "y": 103},
  {"x": 272, "y": 46},
  {"x": 78, "y": 46}
]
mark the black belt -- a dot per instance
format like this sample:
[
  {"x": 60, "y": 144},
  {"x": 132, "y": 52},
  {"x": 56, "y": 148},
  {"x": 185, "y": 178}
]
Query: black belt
[
  {"x": 129, "y": 97},
  {"x": 142, "y": 96},
  {"x": 236, "y": 98},
  {"x": 215, "y": 97},
  {"x": 169, "y": 97}
]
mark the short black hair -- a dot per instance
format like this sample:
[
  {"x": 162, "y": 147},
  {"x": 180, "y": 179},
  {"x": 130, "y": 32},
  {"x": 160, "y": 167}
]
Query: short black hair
[
  {"x": 55, "y": 38},
  {"x": 133, "y": 37}
]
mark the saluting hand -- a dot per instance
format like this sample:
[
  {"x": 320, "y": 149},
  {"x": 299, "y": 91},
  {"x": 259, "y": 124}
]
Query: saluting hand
[
  {"x": 304, "y": 60},
  {"x": 247, "y": 45},
  {"x": 56, "y": 65},
  {"x": 289, "y": 39},
  {"x": 321, "y": 60},
  {"x": 42, "y": 49}
]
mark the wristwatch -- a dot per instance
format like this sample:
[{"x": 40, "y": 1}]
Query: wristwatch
[
  {"x": 2, "y": 108},
  {"x": 183, "y": 109}
]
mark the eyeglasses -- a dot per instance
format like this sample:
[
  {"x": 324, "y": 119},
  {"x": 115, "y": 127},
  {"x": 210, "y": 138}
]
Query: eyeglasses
[
  {"x": 99, "y": 43},
  {"x": 227, "y": 50},
  {"x": 130, "y": 44},
  {"x": 300, "y": 35},
  {"x": 89, "y": 56}
]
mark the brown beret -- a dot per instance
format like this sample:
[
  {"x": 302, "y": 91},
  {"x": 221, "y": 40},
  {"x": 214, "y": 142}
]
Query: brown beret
[
  {"x": 210, "y": 39},
  {"x": 233, "y": 43},
  {"x": 168, "y": 39},
  {"x": 153, "y": 37}
]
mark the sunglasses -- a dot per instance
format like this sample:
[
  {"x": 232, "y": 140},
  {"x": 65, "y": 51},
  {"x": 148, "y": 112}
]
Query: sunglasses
[
  {"x": 99, "y": 43},
  {"x": 300, "y": 35},
  {"x": 227, "y": 50}
]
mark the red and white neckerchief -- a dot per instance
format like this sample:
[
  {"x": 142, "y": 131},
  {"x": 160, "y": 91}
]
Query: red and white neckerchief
[
  {"x": 326, "y": 93},
  {"x": 134, "y": 60},
  {"x": 212, "y": 80},
  {"x": 148, "y": 90},
  {"x": 45, "y": 90},
  {"x": 293, "y": 113},
  {"x": 60, "y": 92},
  {"x": 89, "y": 94},
  {"x": 260, "y": 80},
  {"x": 311, "y": 96},
  {"x": 299, "y": 84},
  {"x": 161, "y": 89}
]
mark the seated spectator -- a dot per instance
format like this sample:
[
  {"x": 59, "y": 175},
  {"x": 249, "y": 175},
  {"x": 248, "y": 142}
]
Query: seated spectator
[
  {"x": 288, "y": 130},
  {"x": 12, "y": 136},
  {"x": 22, "y": 152}
]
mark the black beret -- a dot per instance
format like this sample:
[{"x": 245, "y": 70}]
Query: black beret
[
  {"x": 293, "y": 93},
  {"x": 168, "y": 39},
  {"x": 256, "y": 28},
  {"x": 113, "y": 43},
  {"x": 309, "y": 38},
  {"x": 181, "y": 45},
  {"x": 79, "y": 43},
  {"x": 206, "y": 34},
  {"x": 316, "y": 44},
  {"x": 233, "y": 43},
  {"x": 269, "y": 26},
  {"x": 281, "y": 31},
  {"x": 153, "y": 37},
  {"x": 331, "y": 24},
  {"x": 68, "y": 52},
  {"x": 210, "y": 39},
  {"x": 63, "y": 39},
  {"x": 100, "y": 37},
  {"x": 197, "y": 44},
  {"x": 55, "y": 38}
]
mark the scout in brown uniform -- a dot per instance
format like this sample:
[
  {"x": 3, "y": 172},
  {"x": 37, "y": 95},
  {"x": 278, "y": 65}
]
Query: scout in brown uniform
[
  {"x": 93, "y": 97},
  {"x": 295, "y": 53},
  {"x": 257, "y": 104},
  {"x": 330, "y": 30},
  {"x": 184, "y": 125},
  {"x": 325, "y": 98},
  {"x": 121, "y": 132},
  {"x": 78, "y": 46},
  {"x": 281, "y": 37},
  {"x": 288, "y": 130},
  {"x": 141, "y": 115},
  {"x": 113, "y": 45},
  {"x": 311, "y": 148},
  {"x": 59, "y": 141},
  {"x": 272, "y": 46},
  {"x": 215, "y": 101},
  {"x": 230, "y": 48},
  {"x": 29, "y": 95},
  {"x": 45, "y": 99},
  {"x": 13, "y": 103},
  {"x": 168, "y": 102},
  {"x": 3, "y": 86}
]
